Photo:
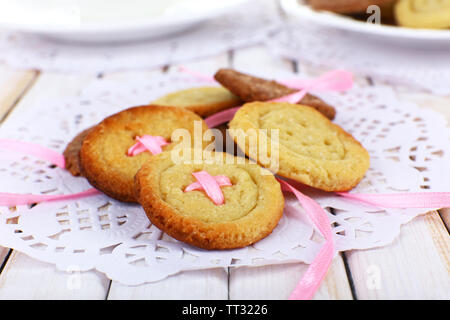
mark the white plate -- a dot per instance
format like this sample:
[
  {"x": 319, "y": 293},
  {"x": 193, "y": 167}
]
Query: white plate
[
  {"x": 300, "y": 10},
  {"x": 109, "y": 20}
]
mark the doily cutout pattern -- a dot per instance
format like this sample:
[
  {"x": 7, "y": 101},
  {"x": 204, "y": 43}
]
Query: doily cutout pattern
[
  {"x": 408, "y": 148},
  {"x": 233, "y": 30},
  {"x": 424, "y": 69}
]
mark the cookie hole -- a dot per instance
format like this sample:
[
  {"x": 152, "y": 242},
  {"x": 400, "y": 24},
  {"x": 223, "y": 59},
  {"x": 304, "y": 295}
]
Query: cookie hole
[
  {"x": 39, "y": 246},
  {"x": 108, "y": 250},
  {"x": 438, "y": 153}
]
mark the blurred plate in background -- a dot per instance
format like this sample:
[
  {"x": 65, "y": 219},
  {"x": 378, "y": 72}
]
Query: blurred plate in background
[
  {"x": 100, "y": 21},
  {"x": 299, "y": 10}
]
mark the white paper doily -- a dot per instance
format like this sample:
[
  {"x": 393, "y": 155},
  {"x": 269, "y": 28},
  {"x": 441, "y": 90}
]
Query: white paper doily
[
  {"x": 409, "y": 150},
  {"x": 421, "y": 68},
  {"x": 248, "y": 24}
]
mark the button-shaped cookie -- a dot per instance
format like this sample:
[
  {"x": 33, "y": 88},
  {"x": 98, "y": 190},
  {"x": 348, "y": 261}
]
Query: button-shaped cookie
[
  {"x": 179, "y": 203},
  {"x": 113, "y": 151},
  {"x": 204, "y": 101},
  {"x": 306, "y": 146}
]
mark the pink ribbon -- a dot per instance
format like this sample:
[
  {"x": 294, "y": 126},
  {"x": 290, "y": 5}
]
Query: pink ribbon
[
  {"x": 15, "y": 199},
  {"x": 211, "y": 185},
  {"x": 402, "y": 200},
  {"x": 35, "y": 150},
  {"x": 317, "y": 270},
  {"x": 153, "y": 144},
  {"x": 337, "y": 80},
  {"x": 221, "y": 117},
  {"x": 45, "y": 154}
]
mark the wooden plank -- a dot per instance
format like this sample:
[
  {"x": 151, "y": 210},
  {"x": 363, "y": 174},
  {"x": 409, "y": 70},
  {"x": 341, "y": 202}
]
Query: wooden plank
[
  {"x": 51, "y": 85},
  {"x": 208, "y": 284},
  {"x": 26, "y": 278},
  {"x": 440, "y": 104},
  {"x": 414, "y": 266},
  {"x": 22, "y": 276},
  {"x": 277, "y": 281},
  {"x": 13, "y": 84}
]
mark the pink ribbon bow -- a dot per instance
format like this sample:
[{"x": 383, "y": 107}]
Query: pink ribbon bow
[
  {"x": 153, "y": 144},
  {"x": 211, "y": 185}
]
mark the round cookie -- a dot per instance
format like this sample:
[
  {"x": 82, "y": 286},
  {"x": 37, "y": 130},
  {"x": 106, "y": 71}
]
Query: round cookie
[
  {"x": 204, "y": 101},
  {"x": 72, "y": 153},
  {"x": 252, "y": 208},
  {"x": 311, "y": 149},
  {"x": 432, "y": 14},
  {"x": 103, "y": 155}
]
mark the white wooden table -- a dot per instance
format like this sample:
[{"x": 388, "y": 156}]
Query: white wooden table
[{"x": 415, "y": 266}]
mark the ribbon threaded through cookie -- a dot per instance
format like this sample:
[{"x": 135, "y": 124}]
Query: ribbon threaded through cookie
[
  {"x": 153, "y": 144},
  {"x": 211, "y": 185}
]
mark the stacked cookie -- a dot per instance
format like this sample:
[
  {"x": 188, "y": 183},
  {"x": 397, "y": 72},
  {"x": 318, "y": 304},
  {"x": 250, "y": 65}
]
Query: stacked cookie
[{"x": 161, "y": 156}]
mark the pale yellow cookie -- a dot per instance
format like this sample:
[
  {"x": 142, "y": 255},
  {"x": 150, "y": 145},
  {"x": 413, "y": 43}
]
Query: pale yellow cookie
[
  {"x": 307, "y": 146},
  {"x": 430, "y": 14},
  {"x": 204, "y": 101},
  {"x": 252, "y": 208}
]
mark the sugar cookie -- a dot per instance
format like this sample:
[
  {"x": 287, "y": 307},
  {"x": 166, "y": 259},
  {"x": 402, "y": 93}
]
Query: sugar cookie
[
  {"x": 204, "y": 101},
  {"x": 252, "y": 207},
  {"x": 72, "y": 153},
  {"x": 104, "y": 159},
  {"x": 312, "y": 150}
]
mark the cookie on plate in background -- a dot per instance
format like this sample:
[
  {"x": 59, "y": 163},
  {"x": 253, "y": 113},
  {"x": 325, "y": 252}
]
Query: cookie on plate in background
[
  {"x": 347, "y": 6},
  {"x": 431, "y": 14}
]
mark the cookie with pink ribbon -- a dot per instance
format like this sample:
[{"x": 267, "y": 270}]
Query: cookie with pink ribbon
[
  {"x": 212, "y": 201},
  {"x": 115, "y": 149},
  {"x": 302, "y": 143}
]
